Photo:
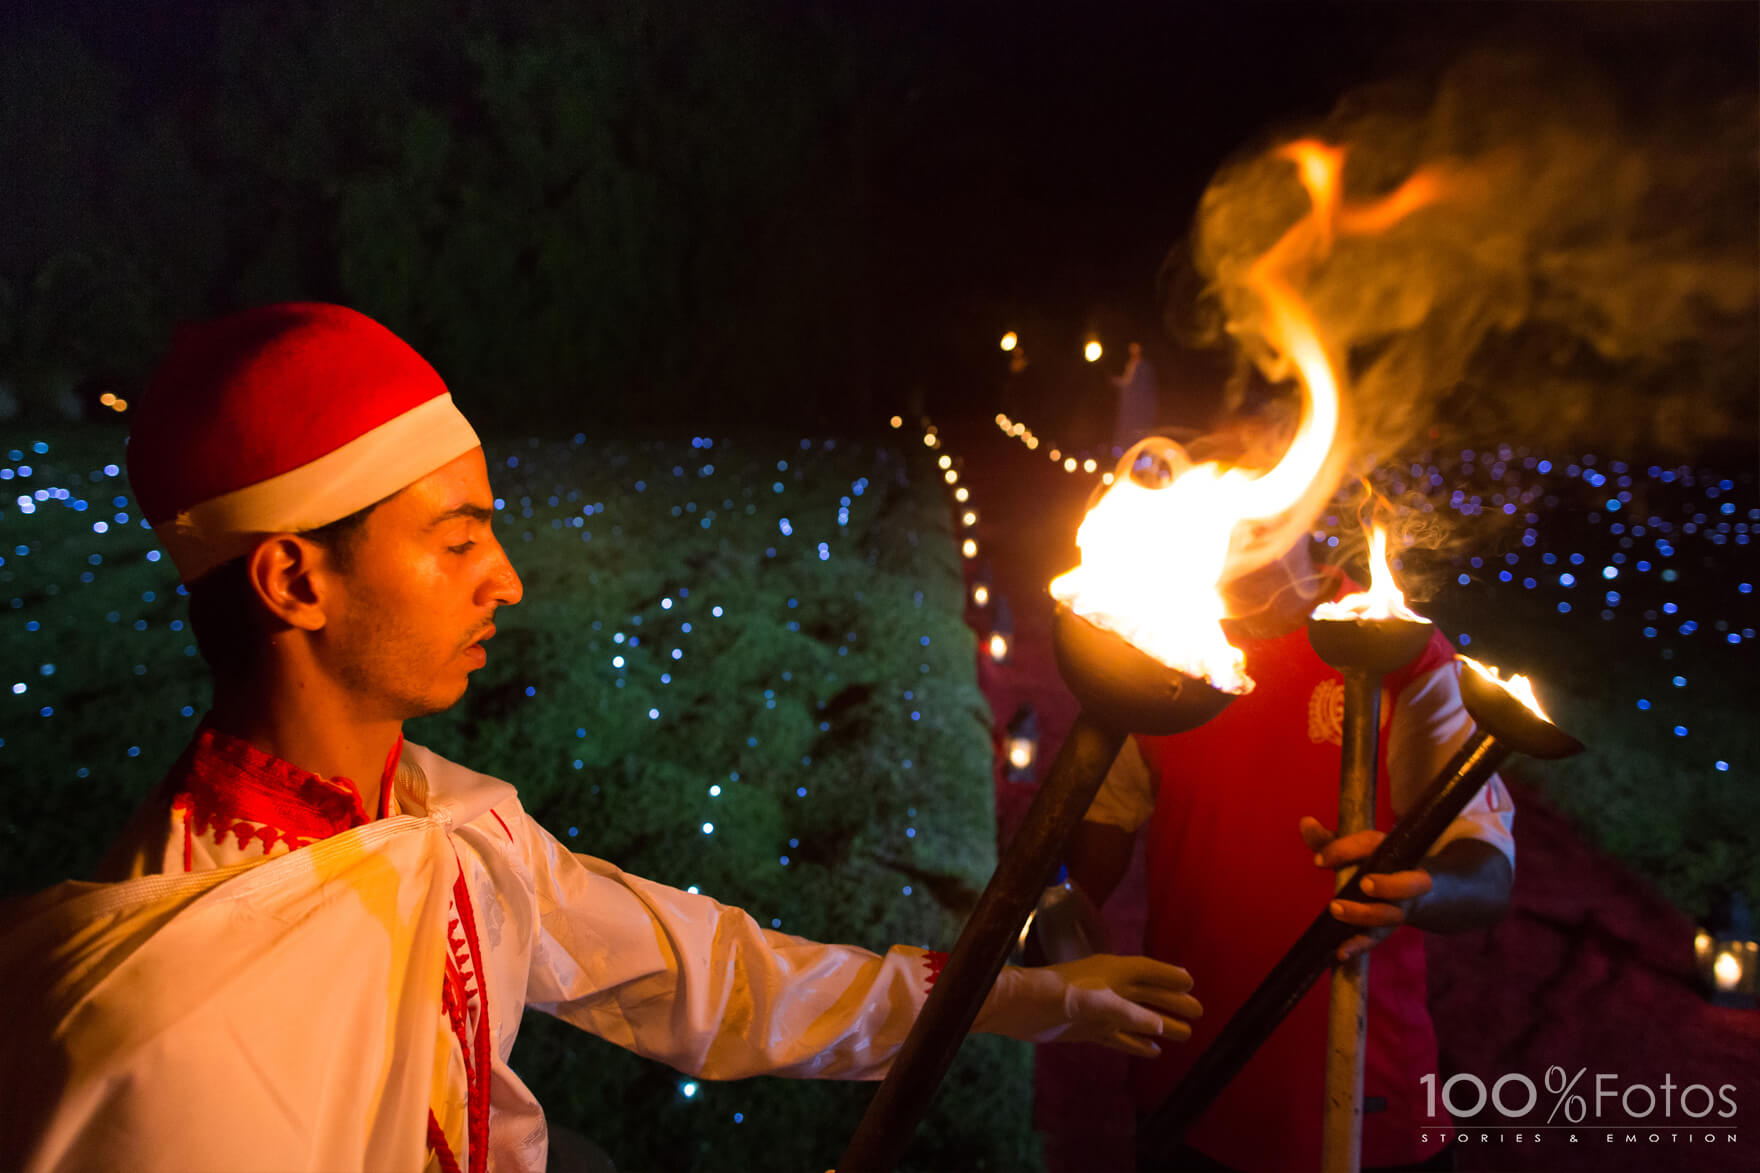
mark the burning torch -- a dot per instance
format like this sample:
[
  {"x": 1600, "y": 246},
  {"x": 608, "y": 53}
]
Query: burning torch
[
  {"x": 1138, "y": 640},
  {"x": 1365, "y": 636},
  {"x": 1122, "y": 691}
]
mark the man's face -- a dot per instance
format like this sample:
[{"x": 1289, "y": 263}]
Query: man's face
[{"x": 406, "y": 618}]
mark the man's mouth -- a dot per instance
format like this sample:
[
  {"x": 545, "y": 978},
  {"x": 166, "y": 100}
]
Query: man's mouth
[{"x": 475, "y": 649}]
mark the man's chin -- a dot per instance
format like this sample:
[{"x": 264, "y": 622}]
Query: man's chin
[{"x": 435, "y": 703}]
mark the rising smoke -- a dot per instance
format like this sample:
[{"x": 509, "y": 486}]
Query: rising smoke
[{"x": 1589, "y": 278}]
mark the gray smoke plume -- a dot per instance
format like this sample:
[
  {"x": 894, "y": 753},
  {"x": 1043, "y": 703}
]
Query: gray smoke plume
[{"x": 1590, "y": 276}]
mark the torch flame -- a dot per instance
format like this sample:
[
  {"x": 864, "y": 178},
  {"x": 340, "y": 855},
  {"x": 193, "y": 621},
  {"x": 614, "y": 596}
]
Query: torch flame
[
  {"x": 1151, "y": 563},
  {"x": 1519, "y": 687},
  {"x": 1154, "y": 559},
  {"x": 1383, "y": 599}
]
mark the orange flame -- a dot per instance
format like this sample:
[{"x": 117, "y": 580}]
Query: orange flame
[
  {"x": 1383, "y": 599},
  {"x": 1154, "y": 559},
  {"x": 1519, "y": 687}
]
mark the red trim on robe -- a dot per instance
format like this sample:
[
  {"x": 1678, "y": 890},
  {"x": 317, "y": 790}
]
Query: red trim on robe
[
  {"x": 226, "y": 784},
  {"x": 437, "y": 1145},
  {"x": 465, "y": 978},
  {"x": 936, "y": 961},
  {"x": 503, "y": 823}
]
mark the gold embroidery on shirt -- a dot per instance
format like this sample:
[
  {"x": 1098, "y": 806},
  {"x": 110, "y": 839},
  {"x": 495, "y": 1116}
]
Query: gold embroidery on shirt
[{"x": 1326, "y": 712}]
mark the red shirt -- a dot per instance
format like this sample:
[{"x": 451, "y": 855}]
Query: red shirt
[{"x": 1230, "y": 890}]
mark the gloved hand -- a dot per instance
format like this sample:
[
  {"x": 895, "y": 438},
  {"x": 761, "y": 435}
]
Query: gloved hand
[{"x": 1125, "y": 1003}]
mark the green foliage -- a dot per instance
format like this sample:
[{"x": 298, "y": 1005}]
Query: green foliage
[
  {"x": 596, "y": 212},
  {"x": 77, "y": 295},
  {"x": 808, "y": 679},
  {"x": 1690, "y": 830}
]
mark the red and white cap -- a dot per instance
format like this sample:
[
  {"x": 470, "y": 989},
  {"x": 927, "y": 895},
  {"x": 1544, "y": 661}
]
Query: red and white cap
[{"x": 282, "y": 419}]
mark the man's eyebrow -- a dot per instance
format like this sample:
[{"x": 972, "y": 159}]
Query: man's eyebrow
[{"x": 474, "y": 512}]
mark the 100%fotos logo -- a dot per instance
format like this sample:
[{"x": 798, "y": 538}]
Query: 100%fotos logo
[{"x": 1515, "y": 1096}]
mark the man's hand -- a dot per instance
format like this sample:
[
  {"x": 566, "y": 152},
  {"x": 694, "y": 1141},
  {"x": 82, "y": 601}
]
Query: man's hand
[
  {"x": 1396, "y": 893},
  {"x": 1126, "y": 1003}
]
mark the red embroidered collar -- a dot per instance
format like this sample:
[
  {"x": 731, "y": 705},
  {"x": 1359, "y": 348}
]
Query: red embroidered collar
[{"x": 224, "y": 777}]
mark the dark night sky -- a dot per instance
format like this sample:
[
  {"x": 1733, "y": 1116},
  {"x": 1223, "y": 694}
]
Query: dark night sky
[{"x": 1058, "y": 150}]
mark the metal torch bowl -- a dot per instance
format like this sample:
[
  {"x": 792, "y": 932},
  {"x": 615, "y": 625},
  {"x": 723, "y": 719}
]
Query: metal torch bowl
[
  {"x": 1124, "y": 688},
  {"x": 1377, "y": 645},
  {"x": 1511, "y": 722}
]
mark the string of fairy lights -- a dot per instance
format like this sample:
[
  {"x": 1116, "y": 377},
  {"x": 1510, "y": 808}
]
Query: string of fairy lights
[{"x": 991, "y": 618}]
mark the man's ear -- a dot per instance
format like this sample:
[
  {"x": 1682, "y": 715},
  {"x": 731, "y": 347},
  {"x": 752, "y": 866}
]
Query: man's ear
[{"x": 286, "y": 572}]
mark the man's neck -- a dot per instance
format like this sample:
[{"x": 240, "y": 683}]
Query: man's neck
[{"x": 331, "y": 745}]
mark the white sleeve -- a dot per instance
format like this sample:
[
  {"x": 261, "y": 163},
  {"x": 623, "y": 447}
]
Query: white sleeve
[
  {"x": 1126, "y": 797},
  {"x": 700, "y": 986},
  {"x": 1429, "y": 724}
]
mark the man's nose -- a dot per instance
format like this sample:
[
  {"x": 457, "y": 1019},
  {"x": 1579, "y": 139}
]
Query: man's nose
[{"x": 503, "y": 586}]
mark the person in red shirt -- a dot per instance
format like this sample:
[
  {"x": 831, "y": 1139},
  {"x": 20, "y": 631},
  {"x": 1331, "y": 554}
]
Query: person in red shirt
[{"x": 1230, "y": 886}]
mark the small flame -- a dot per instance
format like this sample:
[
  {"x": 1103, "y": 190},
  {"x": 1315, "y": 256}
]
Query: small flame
[
  {"x": 1519, "y": 687},
  {"x": 1383, "y": 599},
  {"x": 1010, "y": 340},
  {"x": 1728, "y": 970},
  {"x": 1020, "y": 752}
]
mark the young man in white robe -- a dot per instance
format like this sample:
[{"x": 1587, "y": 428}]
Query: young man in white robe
[{"x": 316, "y": 940}]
